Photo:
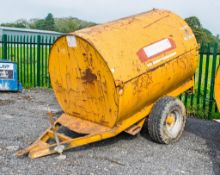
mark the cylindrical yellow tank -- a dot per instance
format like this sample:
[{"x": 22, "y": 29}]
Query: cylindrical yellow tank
[{"x": 109, "y": 72}]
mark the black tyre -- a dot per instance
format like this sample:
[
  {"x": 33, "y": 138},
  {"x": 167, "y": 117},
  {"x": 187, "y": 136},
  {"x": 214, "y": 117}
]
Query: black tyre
[{"x": 167, "y": 120}]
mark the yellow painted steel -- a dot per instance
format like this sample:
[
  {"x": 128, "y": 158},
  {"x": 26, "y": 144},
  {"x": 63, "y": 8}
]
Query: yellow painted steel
[
  {"x": 41, "y": 147},
  {"x": 98, "y": 76},
  {"x": 217, "y": 88},
  {"x": 170, "y": 120},
  {"x": 106, "y": 78}
]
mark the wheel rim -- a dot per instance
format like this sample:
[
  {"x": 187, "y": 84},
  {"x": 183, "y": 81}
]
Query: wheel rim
[{"x": 173, "y": 124}]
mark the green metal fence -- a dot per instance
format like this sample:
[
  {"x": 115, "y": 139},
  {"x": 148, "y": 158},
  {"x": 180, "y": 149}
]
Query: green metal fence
[
  {"x": 202, "y": 102},
  {"x": 31, "y": 54}
]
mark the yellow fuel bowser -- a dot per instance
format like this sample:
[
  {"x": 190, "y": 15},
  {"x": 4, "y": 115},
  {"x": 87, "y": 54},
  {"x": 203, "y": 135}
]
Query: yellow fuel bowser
[{"x": 111, "y": 77}]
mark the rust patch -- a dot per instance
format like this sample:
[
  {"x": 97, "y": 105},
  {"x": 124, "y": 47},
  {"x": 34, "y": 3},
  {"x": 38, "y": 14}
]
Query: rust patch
[
  {"x": 89, "y": 77},
  {"x": 76, "y": 113},
  {"x": 76, "y": 124}
]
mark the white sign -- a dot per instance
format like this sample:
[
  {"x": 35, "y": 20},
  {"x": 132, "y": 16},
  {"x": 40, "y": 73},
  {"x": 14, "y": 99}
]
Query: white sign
[
  {"x": 6, "y": 71},
  {"x": 157, "y": 48},
  {"x": 71, "y": 41},
  {"x": 6, "y": 66},
  {"x": 161, "y": 59}
]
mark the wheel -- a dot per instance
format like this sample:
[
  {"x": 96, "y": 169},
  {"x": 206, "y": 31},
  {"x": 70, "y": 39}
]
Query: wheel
[{"x": 167, "y": 120}]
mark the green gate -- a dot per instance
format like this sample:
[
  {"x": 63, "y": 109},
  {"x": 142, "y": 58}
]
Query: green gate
[
  {"x": 31, "y": 54},
  {"x": 202, "y": 102}
]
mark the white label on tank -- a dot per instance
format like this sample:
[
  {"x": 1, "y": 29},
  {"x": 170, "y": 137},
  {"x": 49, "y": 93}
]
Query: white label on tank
[
  {"x": 161, "y": 59},
  {"x": 157, "y": 48},
  {"x": 71, "y": 41}
]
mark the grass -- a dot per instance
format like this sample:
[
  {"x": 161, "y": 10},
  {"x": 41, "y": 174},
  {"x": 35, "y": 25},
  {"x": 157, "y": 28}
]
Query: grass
[
  {"x": 28, "y": 58},
  {"x": 203, "y": 108}
]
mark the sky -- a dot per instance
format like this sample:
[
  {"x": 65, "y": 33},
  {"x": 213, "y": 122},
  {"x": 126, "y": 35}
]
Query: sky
[{"x": 101, "y": 11}]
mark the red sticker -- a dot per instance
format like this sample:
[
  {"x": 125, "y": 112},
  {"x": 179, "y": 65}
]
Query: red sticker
[{"x": 156, "y": 49}]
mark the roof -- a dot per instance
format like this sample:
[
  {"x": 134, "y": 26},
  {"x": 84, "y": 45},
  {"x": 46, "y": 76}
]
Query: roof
[{"x": 13, "y": 29}]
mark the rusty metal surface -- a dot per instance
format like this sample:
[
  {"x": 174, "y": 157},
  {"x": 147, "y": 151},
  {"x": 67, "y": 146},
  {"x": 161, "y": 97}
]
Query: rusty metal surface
[
  {"x": 107, "y": 73},
  {"x": 131, "y": 125},
  {"x": 81, "y": 126},
  {"x": 136, "y": 128},
  {"x": 217, "y": 88},
  {"x": 83, "y": 83},
  {"x": 119, "y": 41}
]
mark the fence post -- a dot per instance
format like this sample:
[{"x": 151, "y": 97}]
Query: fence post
[
  {"x": 211, "y": 96},
  {"x": 31, "y": 63},
  {"x": 206, "y": 76},
  {"x": 38, "y": 59},
  {"x": 4, "y": 46},
  {"x": 50, "y": 41},
  {"x": 200, "y": 75}
]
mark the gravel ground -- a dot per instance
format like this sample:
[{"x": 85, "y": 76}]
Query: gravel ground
[{"x": 23, "y": 117}]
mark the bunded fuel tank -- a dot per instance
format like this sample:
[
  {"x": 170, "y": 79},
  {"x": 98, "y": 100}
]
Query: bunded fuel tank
[{"x": 109, "y": 72}]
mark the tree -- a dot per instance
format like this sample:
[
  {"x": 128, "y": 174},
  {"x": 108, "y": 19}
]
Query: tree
[
  {"x": 21, "y": 23},
  {"x": 43, "y": 24},
  {"x": 63, "y": 25},
  {"x": 66, "y": 25},
  {"x": 39, "y": 24},
  {"x": 49, "y": 23},
  {"x": 194, "y": 22},
  {"x": 201, "y": 34}
]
